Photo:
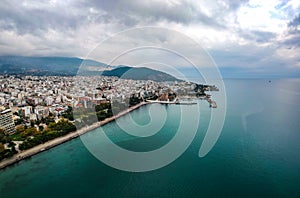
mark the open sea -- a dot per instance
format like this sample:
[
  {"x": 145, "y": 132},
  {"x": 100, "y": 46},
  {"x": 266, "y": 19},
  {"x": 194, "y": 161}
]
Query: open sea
[{"x": 256, "y": 155}]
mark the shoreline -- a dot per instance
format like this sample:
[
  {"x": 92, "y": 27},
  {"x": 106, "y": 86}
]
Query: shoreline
[{"x": 60, "y": 140}]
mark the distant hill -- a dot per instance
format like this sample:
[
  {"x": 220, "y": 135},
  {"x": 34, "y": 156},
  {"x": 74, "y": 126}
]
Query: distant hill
[
  {"x": 69, "y": 66},
  {"x": 43, "y": 65},
  {"x": 139, "y": 73}
]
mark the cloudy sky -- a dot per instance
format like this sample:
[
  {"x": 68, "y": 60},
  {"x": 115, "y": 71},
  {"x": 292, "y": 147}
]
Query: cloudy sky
[{"x": 260, "y": 37}]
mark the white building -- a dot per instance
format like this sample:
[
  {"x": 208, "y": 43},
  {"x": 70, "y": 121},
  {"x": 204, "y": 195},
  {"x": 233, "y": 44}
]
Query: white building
[
  {"x": 26, "y": 111},
  {"x": 33, "y": 117},
  {"x": 49, "y": 101},
  {"x": 41, "y": 112}
]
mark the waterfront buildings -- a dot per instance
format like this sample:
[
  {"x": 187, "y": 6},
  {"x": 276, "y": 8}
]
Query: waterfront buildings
[
  {"x": 6, "y": 121},
  {"x": 32, "y": 98}
]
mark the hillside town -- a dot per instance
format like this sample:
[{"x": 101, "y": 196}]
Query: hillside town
[{"x": 35, "y": 109}]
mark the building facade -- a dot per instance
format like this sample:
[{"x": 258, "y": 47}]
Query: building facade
[{"x": 6, "y": 121}]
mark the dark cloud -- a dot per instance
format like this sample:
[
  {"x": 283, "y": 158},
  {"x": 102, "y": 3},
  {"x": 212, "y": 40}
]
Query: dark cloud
[
  {"x": 295, "y": 22},
  {"x": 292, "y": 41},
  {"x": 148, "y": 12},
  {"x": 35, "y": 18},
  {"x": 292, "y": 38},
  {"x": 258, "y": 36},
  {"x": 74, "y": 27}
]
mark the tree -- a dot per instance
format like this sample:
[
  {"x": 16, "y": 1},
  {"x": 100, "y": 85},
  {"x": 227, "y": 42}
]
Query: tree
[
  {"x": 37, "y": 122},
  {"x": 68, "y": 114},
  {"x": 20, "y": 129},
  {"x": 133, "y": 100},
  {"x": 1, "y": 147},
  {"x": 63, "y": 126},
  {"x": 29, "y": 131},
  {"x": 101, "y": 115},
  {"x": 11, "y": 144},
  {"x": 31, "y": 123},
  {"x": 19, "y": 121},
  {"x": 102, "y": 106},
  {"x": 4, "y": 138}
]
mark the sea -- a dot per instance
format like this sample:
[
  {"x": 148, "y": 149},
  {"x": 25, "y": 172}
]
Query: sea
[{"x": 257, "y": 153}]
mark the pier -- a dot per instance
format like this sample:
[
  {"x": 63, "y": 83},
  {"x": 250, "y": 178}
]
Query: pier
[
  {"x": 212, "y": 103},
  {"x": 175, "y": 101}
]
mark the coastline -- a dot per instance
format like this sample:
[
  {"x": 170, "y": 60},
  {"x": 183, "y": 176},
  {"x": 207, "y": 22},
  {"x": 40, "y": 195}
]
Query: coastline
[{"x": 60, "y": 140}]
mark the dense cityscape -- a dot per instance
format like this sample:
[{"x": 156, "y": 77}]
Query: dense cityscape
[
  {"x": 124, "y": 98},
  {"x": 36, "y": 109}
]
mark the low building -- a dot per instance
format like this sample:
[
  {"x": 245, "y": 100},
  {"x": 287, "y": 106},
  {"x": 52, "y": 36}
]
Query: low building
[
  {"x": 26, "y": 111},
  {"x": 33, "y": 117}
]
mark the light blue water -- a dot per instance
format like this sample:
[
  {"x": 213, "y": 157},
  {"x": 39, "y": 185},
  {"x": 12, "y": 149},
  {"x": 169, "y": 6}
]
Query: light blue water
[{"x": 257, "y": 154}]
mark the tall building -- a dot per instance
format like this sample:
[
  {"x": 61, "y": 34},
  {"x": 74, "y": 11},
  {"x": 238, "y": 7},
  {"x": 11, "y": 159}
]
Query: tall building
[{"x": 6, "y": 121}]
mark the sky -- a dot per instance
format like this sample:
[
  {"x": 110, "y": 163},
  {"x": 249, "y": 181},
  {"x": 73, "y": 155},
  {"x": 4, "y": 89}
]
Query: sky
[{"x": 255, "y": 36}]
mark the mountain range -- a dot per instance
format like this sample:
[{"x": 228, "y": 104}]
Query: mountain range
[{"x": 71, "y": 66}]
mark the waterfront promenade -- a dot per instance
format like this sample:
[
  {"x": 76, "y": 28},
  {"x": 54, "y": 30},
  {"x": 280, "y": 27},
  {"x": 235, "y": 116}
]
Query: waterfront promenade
[{"x": 57, "y": 141}]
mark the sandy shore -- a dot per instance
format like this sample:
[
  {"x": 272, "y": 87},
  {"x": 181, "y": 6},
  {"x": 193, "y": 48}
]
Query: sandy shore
[{"x": 57, "y": 141}]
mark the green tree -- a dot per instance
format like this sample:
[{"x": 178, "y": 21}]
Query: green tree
[
  {"x": 101, "y": 115},
  {"x": 20, "y": 129},
  {"x": 11, "y": 144},
  {"x": 4, "y": 138},
  {"x": 29, "y": 132},
  {"x": 1, "y": 147},
  {"x": 31, "y": 123}
]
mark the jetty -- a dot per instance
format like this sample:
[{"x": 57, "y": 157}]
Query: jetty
[
  {"x": 175, "y": 101},
  {"x": 212, "y": 103}
]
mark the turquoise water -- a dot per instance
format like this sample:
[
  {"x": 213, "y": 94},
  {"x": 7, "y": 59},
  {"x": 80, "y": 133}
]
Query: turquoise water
[{"x": 257, "y": 154}]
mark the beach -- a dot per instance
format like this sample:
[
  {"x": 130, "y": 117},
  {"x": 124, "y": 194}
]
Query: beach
[{"x": 57, "y": 141}]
